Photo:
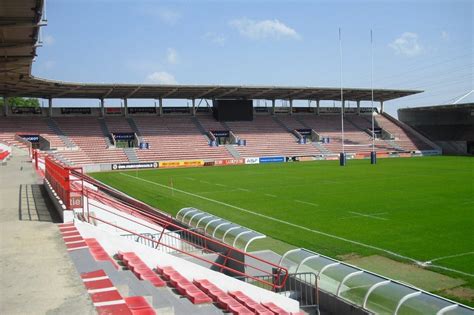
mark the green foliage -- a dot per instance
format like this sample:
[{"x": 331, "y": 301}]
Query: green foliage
[
  {"x": 417, "y": 207},
  {"x": 21, "y": 102}
]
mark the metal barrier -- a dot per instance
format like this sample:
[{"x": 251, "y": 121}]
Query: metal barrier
[
  {"x": 229, "y": 260},
  {"x": 69, "y": 189},
  {"x": 302, "y": 287}
]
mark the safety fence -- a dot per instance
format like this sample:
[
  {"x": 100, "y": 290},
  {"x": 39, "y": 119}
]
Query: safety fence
[
  {"x": 78, "y": 191},
  {"x": 171, "y": 237}
]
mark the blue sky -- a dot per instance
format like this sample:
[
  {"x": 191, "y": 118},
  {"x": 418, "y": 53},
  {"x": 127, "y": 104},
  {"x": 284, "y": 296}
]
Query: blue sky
[{"x": 424, "y": 45}]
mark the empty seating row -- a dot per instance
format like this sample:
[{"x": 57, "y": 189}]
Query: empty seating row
[
  {"x": 108, "y": 300},
  {"x": 12, "y": 126},
  {"x": 98, "y": 252},
  {"x": 140, "y": 269},
  {"x": 175, "y": 138},
  {"x": 265, "y": 137}
]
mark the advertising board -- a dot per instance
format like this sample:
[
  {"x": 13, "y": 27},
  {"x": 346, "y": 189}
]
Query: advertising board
[
  {"x": 272, "y": 159},
  {"x": 129, "y": 166}
]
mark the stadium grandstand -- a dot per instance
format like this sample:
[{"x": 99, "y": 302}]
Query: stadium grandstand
[
  {"x": 449, "y": 126},
  {"x": 91, "y": 248}
]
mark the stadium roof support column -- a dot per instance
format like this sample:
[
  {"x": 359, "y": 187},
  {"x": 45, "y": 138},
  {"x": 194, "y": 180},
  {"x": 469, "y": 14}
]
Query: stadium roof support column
[
  {"x": 194, "y": 107},
  {"x": 102, "y": 109},
  {"x": 160, "y": 103},
  {"x": 6, "y": 100},
  {"x": 291, "y": 106},
  {"x": 381, "y": 106},
  {"x": 358, "y": 107},
  {"x": 125, "y": 105},
  {"x": 50, "y": 107},
  {"x": 273, "y": 107},
  {"x": 317, "y": 107}
]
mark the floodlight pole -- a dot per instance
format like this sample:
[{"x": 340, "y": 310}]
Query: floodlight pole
[
  {"x": 342, "y": 155},
  {"x": 373, "y": 154}
]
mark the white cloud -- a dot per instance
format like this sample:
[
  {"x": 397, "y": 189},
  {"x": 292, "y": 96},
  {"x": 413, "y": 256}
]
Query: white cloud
[
  {"x": 407, "y": 44},
  {"x": 215, "y": 38},
  {"x": 48, "y": 40},
  {"x": 172, "y": 56},
  {"x": 168, "y": 16},
  {"x": 263, "y": 29},
  {"x": 161, "y": 77},
  {"x": 444, "y": 35}
]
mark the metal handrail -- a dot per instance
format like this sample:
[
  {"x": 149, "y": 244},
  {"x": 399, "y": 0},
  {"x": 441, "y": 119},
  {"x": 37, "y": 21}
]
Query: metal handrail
[
  {"x": 281, "y": 271},
  {"x": 222, "y": 267}
]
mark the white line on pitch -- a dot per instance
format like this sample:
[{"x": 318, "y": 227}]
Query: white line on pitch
[
  {"x": 270, "y": 195},
  {"x": 204, "y": 182},
  {"x": 243, "y": 189},
  {"x": 450, "y": 256},
  {"x": 190, "y": 178},
  {"x": 292, "y": 224},
  {"x": 372, "y": 216},
  {"x": 221, "y": 185},
  {"x": 307, "y": 203}
]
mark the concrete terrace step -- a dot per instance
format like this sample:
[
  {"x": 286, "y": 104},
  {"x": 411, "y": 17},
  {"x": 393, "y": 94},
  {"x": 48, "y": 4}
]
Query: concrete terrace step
[
  {"x": 233, "y": 151},
  {"x": 131, "y": 155}
]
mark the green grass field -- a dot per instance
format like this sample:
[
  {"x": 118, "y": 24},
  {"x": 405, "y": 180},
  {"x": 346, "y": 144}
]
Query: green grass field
[{"x": 419, "y": 208}]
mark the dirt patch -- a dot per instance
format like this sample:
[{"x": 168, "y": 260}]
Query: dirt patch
[
  {"x": 349, "y": 256},
  {"x": 408, "y": 273},
  {"x": 466, "y": 294}
]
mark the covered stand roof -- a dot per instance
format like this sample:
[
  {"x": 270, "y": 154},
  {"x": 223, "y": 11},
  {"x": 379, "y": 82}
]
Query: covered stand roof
[{"x": 20, "y": 21}]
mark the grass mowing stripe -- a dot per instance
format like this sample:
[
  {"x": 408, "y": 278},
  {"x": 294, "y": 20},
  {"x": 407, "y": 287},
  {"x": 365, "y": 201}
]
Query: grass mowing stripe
[{"x": 298, "y": 226}]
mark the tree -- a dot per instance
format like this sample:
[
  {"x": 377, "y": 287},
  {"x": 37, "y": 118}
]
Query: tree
[{"x": 21, "y": 102}]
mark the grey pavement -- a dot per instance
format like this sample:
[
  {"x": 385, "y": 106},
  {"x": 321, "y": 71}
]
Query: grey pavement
[{"x": 36, "y": 273}]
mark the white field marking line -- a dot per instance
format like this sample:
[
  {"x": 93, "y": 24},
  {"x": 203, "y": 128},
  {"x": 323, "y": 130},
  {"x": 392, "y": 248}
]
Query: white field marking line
[
  {"x": 270, "y": 195},
  {"x": 450, "y": 256},
  {"x": 243, "y": 189},
  {"x": 205, "y": 182},
  {"x": 221, "y": 185},
  {"x": 217, "y": 191},
  {"x": 190, "y": 178},
  {"x": 293, "y": 225},
  {"x": 371, "y": 216},
  {"x": 307, "y": 203}
]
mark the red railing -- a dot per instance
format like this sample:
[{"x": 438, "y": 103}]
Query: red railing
[
  {"x": 60, "y": 179},
  {"x": 68, "y": 183}
]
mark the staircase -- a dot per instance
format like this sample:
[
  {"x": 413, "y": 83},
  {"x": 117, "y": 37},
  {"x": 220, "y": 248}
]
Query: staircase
[
  {"x": 131, "y": 155},
  {"x": 279, "y": 122},
  {"x": 233, "y": 151},
  {"x": 321, "y": 148},
  {"x": 55, "y": 128},
  {"x": 135, "y": 129},
  {"x": 200, "y": 127},
  {"x": 105, "y": 132},
  {"x": 301, "y": 121}
]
